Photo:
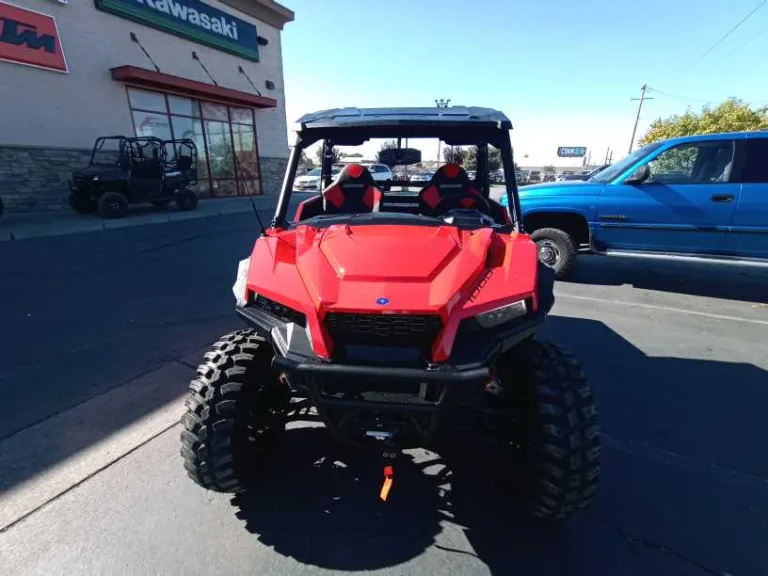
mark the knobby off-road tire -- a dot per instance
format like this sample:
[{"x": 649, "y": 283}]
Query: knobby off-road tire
[
  {"x": 556, "y": 249},
  {"x": 112, "y": 205},
  {"x": 236, "y": 412},
  {"x": 557, "y": 445}
]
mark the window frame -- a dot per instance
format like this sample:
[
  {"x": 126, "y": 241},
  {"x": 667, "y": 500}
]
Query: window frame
[
  {"x": 240, "y": 183},
  {"x": 699, "y": 144}
]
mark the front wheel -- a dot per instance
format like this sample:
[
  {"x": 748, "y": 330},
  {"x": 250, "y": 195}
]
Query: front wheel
[
  {"x": 556, "y": 249},
  {"x": 112, "y": 205},
  {"x": 236, "y": 411},
  {"x": 556, "y": 441}
]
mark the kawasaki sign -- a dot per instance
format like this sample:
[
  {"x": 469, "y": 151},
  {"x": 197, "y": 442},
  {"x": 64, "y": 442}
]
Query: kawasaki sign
[{"x": 191, "y": 19}]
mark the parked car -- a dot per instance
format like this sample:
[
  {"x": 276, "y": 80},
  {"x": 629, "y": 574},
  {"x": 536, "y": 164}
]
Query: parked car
[
  {"x": 382, "y": 175},
  {"x": 534, "y": 176},
  {"x": 422, "y": 177},
  {"x": 310, "y": 182},
  {"x": 699, "y": 196}
]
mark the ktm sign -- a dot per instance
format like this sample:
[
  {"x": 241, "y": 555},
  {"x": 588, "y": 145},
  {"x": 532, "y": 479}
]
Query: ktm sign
[{"x": 31, "y": 38}]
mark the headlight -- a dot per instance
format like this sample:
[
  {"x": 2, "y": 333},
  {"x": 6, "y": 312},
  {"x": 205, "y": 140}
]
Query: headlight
[
  {"x": 503, "y": 314},
  {"x": 95, "y": 178},
  {"x": 238, "y": 289}
]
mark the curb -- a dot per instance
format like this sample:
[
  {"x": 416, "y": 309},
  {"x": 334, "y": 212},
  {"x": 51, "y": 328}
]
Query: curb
[{"x": 27, "y": 226}]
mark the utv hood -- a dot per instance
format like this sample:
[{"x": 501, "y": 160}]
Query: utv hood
[{"x": 392, "y": 269}]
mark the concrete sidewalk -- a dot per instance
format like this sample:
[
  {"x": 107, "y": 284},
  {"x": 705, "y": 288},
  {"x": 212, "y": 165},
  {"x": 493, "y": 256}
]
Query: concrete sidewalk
[{"x": 33, "y": 225}]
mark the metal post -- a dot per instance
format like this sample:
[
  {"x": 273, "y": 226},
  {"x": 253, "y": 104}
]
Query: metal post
[
  {"x": 441, "y": 103},
  {"x": 642, "y": 99}
]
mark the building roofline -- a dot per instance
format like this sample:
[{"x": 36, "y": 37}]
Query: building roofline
[{"x": 268, "y": 11}]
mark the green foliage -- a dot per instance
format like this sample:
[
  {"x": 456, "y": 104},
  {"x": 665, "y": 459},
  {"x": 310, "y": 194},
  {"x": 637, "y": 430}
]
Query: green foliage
[
  {"x": 319, "y": 155},
  {"x": 494, "y": 158},
  {"x": 733, "y": 115},
  {"x": 453, "y": 155}
]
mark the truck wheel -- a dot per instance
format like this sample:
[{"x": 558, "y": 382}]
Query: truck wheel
[
  {"x": 186, "y": 200},
  {"x": 236, "y": 410},
  {"x": 557, "y": 439},
  {"x": 556, "y": 249},
  {"x": 81, "y": 204},
  {"x": 112, "y": 205}
]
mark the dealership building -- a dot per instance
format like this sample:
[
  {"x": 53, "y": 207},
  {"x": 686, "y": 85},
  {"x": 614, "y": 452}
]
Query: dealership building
[{"x": 74, "y": 70}]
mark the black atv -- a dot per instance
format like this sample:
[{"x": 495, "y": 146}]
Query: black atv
[{"x": 125, "y": 171}]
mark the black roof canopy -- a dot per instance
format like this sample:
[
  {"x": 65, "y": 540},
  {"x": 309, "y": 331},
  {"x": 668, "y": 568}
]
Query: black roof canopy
[{"x": 351, "y": 126}]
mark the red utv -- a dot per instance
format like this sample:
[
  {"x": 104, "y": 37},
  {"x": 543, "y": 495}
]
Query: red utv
[{"x": 390, "y": 315}]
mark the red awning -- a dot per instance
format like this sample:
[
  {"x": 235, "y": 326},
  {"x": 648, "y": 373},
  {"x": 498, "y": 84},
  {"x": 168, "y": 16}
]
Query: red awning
[{"x": 192, "y": 88}]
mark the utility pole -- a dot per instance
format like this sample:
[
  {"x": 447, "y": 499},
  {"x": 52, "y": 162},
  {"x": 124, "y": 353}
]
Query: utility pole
[
  {"x": 642, "y": 99},
  {"x": 440, "y": 103}
]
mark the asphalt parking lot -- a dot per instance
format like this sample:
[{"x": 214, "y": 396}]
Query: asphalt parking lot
[{"x": 102, "y": 332}]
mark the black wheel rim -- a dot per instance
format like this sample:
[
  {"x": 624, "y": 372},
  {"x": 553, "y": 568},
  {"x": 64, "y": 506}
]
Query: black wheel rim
[{"x": 549, "y": 252}]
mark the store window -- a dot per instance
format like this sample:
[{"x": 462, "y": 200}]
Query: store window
[{"x": 228, "y": 160}]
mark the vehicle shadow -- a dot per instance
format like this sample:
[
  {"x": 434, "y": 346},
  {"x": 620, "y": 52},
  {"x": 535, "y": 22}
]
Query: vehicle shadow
[
  {"x": 731, "y": 282},
  {"x": 683, "y": 484}
]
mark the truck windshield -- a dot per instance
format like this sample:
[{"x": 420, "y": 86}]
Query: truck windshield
[{"x": 624, "y": 164}]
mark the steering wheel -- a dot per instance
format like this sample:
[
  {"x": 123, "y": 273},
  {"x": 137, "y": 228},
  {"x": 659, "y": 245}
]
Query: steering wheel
[{"x": 447, "y": 203}]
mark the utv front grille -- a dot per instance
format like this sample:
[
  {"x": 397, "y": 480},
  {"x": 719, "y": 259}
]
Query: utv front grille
[{"x": 404, "y": 330}]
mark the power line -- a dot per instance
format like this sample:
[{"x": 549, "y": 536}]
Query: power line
[
  {"x": 709, "y": 101},
  {"x": 732, "y": 30},
  {"x": 739, "y": 47}
]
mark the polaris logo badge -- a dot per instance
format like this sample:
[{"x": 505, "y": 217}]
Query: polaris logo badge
[{"x": 382, "y": 301}]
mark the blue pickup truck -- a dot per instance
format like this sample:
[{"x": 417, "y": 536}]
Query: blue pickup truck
[{"x": 699, "y": 196}]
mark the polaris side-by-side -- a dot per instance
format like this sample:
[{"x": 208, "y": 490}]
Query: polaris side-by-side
[
  {"x": 390, "y": 315},
  {"x": 125, "y": 171}
]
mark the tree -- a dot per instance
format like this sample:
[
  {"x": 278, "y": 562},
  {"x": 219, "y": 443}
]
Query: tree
[
  {"x": 319, "y": 155},
  {"x": 733, "y": 115},
  {"x": 386, "y": 145},
  {"x": 494, "y": 158},
  {"x": 305, "y": 161},
  {"x": 548, "y": 169},
  {"x": 453, "y": 155}
]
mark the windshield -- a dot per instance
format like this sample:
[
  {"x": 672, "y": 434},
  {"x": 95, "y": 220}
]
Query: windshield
[
  {"x": 623, "y": 165},
  {"x": 106, "y": 152},
  {"x": 449, "y": 191}
]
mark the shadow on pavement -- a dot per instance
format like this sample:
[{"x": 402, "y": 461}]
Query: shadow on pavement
[
  {"x": 683, "y": 488},
  {"x": 731, "y": 282}
]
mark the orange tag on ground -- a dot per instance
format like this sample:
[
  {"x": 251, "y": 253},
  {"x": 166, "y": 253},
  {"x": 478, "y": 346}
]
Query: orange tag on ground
[
  {"x": 385, "y": 489},
  {"x": 387, "y": 486}
]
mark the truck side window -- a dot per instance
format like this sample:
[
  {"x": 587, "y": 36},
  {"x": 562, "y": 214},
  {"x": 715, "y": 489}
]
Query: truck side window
[
  {"x": 695, "y": 163},
  {"x": 756, "y": 167}
]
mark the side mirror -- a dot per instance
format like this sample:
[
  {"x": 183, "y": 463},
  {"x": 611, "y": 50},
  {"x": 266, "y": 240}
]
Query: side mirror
[{"x": 640, "y": 175}]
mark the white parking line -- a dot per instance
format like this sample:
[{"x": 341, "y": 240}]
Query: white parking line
[{"x": 664, "y": 309}]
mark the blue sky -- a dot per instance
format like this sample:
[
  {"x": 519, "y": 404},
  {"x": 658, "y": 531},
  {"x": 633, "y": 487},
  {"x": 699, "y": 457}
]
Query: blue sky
[{"x": 564, "y": 72}]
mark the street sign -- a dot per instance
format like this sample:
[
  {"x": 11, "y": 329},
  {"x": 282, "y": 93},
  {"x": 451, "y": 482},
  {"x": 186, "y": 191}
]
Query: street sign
[{"x": 571, "y": 151}]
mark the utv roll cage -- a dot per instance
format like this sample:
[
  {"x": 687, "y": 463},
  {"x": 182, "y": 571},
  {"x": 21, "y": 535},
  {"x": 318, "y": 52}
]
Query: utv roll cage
[{"x": 456, "y": 126}]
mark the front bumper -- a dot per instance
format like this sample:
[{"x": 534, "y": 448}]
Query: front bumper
[{"x": 472, "y": 360}]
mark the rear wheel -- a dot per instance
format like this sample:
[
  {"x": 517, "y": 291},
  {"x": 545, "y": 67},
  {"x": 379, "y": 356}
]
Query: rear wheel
[
  {"x": 556, "y": 249},
  {"x": 236, "y": 411},
  {"x": 186, "y": 200},
  {"x": 556, "y": 441},
  {"x": 112, "y": 205}
]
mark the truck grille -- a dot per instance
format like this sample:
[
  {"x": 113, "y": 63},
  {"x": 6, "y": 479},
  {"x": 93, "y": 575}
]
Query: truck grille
[{"x": 383, "y": 329}]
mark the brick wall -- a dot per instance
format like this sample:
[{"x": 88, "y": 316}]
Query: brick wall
[
  {"x": 35, "y": 179},
  {"x": 272, "y": 173}
]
